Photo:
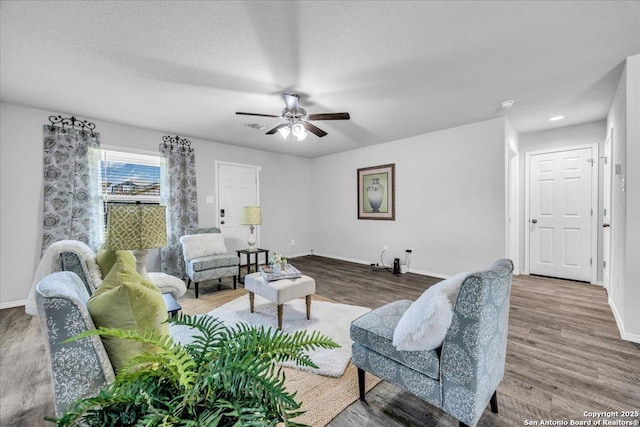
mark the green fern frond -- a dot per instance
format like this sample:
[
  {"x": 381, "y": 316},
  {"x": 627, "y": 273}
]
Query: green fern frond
[
  {"x": 210, "y": 418},
  {"x": 147, "y": 337},
  {"x": 227, "y": 376},
  {"x": 175, "y": 366},
  {"x": 253, "y": 376},
  {"x": 210, "y": 332},
  {"x": 279, "y": 346}
]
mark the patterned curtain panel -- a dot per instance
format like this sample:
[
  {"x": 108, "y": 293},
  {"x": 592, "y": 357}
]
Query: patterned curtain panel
[
  {"x": 72, "y": 187},
  {"x": 179, "y": 195}
]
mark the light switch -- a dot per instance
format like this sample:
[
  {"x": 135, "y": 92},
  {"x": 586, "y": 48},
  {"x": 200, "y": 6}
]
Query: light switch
[{"x": 210, "y": 200}]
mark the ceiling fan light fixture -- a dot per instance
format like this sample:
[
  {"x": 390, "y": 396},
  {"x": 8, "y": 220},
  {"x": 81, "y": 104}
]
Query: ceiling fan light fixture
[
  {"x": 299, "y": 131},
  {"x": 297, "y": 121},
  {"x": 284, "y": 131},
  {"x": 303, "y": 136}
]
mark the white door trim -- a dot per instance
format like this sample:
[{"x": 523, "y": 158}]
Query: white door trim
[{"x": 594, "y": 204}]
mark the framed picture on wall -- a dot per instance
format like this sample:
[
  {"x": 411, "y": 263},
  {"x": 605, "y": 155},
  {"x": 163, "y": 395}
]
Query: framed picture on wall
[{"x": 376, "y": 192}]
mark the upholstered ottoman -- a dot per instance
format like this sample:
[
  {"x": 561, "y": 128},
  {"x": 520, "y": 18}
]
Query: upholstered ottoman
[{"x": 280, "y": 291}]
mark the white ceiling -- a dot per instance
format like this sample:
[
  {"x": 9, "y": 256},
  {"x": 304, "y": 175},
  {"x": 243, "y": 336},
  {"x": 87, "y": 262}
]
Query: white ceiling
[{"x": 399, "y": 68}]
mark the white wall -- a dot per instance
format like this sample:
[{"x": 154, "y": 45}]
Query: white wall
[
  {"x": 617, "y": 123},
  {"x": 20, "y": 202},
  {"x": 632, "y": 191},
  {"x": 449, "y": 197},
  {"x": 568, "y": 136},
  {"x": 450, "y": 201},
  {"x": 624, "y": 295},
  {"x": 21, "y": 191},
  {"x": 512, "y": 189}
]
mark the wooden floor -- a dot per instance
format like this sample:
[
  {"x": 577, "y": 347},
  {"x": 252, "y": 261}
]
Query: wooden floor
[{"x": 564, "y": 353}]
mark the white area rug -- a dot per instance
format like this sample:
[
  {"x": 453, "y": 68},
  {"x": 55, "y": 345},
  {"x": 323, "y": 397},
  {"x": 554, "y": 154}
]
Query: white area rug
[{"x": 330, "y": 319}]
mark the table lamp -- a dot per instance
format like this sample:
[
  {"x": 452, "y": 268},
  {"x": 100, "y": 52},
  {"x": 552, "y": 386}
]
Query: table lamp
[
  {"x": 251, "y": 215},
  {"x": 137, "y": 228}
]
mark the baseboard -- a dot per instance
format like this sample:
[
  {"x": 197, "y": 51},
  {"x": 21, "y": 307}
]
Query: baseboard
[
  {"x": 12, "y": 304},
  {"x": 355, "y": 261},
  {"x": 298, "y": 255},
  {"x": 359, "y": 261},
  {"x": 627, "y": 336}
]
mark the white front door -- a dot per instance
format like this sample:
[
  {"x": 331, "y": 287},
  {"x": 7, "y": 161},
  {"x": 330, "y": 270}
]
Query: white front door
[
  {"x": 606, "y": 217},
  {"x": 560, "y": 217},
  {"x": 237, "y": 187}
]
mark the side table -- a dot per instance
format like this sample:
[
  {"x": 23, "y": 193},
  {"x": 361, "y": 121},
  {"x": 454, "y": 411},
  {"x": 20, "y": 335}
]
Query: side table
[{"x": 248, "y": 253}]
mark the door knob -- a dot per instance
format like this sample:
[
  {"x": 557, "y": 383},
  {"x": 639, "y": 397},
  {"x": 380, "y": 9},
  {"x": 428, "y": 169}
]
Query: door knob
[
  {"x": 222, "y": 222},
  {"x": 535, "y": 221},
  {"x": 606, "y": 225}
]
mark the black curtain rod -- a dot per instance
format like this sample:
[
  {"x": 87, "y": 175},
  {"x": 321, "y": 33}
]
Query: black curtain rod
[
  {"x": 72, "y": 123},
  {"x": 176, "y": 141}
]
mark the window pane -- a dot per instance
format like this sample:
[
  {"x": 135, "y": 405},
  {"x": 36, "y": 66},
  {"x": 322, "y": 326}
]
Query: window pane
[{"x": 130, "y": 177}]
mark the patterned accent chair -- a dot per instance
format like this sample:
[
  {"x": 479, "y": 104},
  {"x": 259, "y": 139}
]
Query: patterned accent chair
[
  {"x": 211, "y": 266},
  {"x": 462, "y": 376},
  {"x": 79, "y": 368}
]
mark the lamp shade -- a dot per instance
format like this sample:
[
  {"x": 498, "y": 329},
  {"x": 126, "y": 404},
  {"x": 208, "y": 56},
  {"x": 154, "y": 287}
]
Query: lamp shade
[
  {"x": 136, "y": 227},
  {"x": 251, "y": 215}
]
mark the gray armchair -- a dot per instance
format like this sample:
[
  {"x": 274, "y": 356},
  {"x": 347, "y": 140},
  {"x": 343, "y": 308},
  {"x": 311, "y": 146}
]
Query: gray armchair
[
  {"x": 208, "y": 266},
  {"x": 79, "y": 368},
  {"x": 462, "y": 376}
]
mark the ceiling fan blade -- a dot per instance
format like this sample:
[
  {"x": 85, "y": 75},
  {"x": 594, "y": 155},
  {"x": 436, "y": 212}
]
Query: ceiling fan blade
[
  {"x": 329, "y": 116},
  {"x": 256, "y": 114},
  {"x": 291, "y": 99},
  {"x": 314, "y": 129},
  {"x": 275, "y": 129}
]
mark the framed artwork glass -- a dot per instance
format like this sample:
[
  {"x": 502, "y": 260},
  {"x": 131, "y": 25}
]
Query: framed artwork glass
[{"x": 376, "y": 192}]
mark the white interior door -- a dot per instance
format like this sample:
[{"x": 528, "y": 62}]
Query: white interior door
[
  {"x": 606, "y": 217},
  {"x": 238, "y": 186},
  {"x": 560, "y": 214}
]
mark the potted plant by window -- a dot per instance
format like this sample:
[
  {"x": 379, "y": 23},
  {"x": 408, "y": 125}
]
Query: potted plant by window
[{"x": 228, "y": 376}]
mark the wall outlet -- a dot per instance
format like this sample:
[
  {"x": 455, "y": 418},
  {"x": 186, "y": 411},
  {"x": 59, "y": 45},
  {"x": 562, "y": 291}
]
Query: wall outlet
[
  {"x": 293, "y": 242},
  {"x": 210, "y": 199},
  {"x": 385, "y": 248}
]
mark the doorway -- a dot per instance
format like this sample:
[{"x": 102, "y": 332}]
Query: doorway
[
  {"x": 238, "y": 185},
  {"x": 561, "y": 191}
]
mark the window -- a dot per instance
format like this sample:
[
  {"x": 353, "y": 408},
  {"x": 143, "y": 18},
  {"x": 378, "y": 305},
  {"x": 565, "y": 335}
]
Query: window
[{"x": 130, "y": 177}]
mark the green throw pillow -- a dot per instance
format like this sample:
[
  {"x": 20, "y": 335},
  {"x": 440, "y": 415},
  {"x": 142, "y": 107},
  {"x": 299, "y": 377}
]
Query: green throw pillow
[
  {"x": 126, "y": 300},
  {"x": 106, "y": 259}
]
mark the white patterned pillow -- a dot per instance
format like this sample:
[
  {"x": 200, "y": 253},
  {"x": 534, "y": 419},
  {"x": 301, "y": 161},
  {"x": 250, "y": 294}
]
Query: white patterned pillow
[
  {"x": 425, "y": 323},
  {"x": 200, "y": 245}
]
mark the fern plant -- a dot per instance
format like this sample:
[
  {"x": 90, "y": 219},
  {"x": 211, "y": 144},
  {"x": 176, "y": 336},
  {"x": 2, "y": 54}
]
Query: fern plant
[{"x": 226, "y": 377}]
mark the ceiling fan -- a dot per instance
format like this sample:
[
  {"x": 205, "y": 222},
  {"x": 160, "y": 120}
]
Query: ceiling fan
[{"x": 297, "y": 119}]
